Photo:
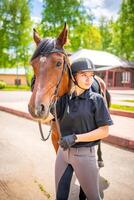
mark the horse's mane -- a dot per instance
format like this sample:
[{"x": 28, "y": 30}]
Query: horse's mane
[{"x": 46, "y": 46}]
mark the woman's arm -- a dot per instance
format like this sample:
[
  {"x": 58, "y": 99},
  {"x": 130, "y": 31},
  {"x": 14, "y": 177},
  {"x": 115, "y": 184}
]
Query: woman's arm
[{"x": 96, "y": 134}]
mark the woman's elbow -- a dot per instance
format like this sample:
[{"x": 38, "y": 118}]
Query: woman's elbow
[{"x": 105, "y": 130}]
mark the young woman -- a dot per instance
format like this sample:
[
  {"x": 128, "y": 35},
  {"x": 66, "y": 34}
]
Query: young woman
[{"x": 84, "y": 120}]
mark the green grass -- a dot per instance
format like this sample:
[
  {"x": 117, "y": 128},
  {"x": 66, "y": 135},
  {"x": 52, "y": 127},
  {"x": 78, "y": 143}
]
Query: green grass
[
  {"x": 122, "y": 107},
  {"x": 42, "y": 189},
  {"x": 129, "y": 100},
  {"x": 15, "y": 87}
]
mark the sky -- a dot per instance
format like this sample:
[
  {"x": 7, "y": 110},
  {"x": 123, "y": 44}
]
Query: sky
[{"x": 108, "y": 8}]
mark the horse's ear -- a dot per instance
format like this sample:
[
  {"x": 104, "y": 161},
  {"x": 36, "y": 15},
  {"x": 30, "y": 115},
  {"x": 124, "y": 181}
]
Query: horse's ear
[
  {"x": 62, "y": 38},
  {"x": 36, "y": 37}
]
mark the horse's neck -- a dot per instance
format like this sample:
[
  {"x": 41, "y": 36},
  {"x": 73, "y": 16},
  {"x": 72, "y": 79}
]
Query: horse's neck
[
  {"x": 101, "y": 84},
  {"x": 102, "y": 87}
]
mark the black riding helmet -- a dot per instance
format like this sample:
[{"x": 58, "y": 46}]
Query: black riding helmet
[{"x": 82, "y": 64}]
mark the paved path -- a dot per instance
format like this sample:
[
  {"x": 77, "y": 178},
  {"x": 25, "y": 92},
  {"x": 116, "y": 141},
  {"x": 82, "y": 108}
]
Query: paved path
[
  {"x": 27, "y": 165},
  {"x": 119, "y": 97},
  {"x": 25, "y": 161}
]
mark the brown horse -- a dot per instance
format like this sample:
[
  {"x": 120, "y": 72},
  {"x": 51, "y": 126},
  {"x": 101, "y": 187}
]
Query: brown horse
[
  {"x": 48, "y": 63},
  {"x": 52, "y": 71}
]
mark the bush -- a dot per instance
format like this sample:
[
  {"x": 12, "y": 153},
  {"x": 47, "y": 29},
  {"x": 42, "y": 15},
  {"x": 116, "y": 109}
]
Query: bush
[{"x": 2, "y": 84}]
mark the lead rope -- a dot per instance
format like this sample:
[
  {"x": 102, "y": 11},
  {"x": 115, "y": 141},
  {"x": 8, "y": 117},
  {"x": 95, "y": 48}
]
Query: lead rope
[
  {"x": 57, "y": 124},
  {"x": 56, "y": 119},
  {"x": 41, "y": 132}
]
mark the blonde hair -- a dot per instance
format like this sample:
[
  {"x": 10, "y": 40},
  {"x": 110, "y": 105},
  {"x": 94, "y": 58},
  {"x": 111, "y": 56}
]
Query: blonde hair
[{"x": 72, "y": 87}]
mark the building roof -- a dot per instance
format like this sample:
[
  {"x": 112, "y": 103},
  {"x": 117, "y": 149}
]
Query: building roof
[{"x": 102, "y": 59}]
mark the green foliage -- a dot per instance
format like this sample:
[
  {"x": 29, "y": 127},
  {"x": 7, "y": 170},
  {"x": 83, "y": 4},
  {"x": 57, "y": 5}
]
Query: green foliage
[
  {"x": 116, "y": 37},
  {"x": 2, "y": 84},
  {"x": 105, "y": 32},
  {"x": 128, "y": 100},
  {"x": 81, "y": 33},
  {"x": 15, "y": 26},
  {"x": 85, "y": 36},
  {"x": 122, "y": 43},
  {"x": 55, "y": 13},
  {"x": 16, "y": 87},
  {"x": 29, "y": 75},
  {"x": 42, "y": 189},
  {"x": 126, "y": 28},
  {"x": 122, "y": 107}
]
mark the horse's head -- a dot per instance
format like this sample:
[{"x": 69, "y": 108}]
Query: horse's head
[{"x": 49, "y": 63}]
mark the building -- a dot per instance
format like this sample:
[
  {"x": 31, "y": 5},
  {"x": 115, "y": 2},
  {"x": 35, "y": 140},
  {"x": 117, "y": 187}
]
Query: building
[
  {"x": 117, "y": 73},
  {"x": 13, "y": 76},
  {"x": 118, "y": 77}
]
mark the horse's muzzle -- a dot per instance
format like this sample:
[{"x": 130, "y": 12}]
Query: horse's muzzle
[{"x": 39, "y": 111}]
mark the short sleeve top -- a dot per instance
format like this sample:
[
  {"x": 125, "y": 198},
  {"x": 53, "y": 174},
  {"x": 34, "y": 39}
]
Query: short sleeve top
[{"x": 82, "y": 114}]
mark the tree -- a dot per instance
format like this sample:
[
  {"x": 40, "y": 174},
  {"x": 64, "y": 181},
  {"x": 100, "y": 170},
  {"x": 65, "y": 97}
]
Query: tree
[
  {"x": 74, "y": 13},
  {"x": 15, "y": 28},
  {"x": 86, "y": 36},
  {"x": 105, "y": 32},
  {"x": 126, "y": 23},
  {"x": 124, "y": 31}
]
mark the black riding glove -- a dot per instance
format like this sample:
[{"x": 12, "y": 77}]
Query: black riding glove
[{"x": 67, "y": 141}]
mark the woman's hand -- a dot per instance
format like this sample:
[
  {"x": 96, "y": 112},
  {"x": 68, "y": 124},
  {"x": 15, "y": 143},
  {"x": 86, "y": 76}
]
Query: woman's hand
[{"x": 67, "y": 141}]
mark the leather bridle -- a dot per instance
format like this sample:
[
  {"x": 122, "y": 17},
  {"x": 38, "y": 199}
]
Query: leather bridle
[{"x": 54, "y": 98}]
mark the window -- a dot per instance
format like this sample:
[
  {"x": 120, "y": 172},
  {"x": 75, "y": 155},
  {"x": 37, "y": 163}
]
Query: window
[
  {"x": 17, "y": 81},
  {"x": 125, "y": 77}
]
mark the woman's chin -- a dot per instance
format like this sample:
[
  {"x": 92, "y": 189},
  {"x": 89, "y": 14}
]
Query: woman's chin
[{"x": 87, "y": 87}]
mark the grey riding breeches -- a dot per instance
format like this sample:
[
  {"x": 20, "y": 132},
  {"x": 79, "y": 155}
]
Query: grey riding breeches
[{"x": 83, "y": 162}]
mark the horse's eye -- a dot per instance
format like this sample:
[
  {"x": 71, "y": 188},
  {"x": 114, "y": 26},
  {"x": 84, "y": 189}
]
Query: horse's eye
[{"x": 58, "y": 64}]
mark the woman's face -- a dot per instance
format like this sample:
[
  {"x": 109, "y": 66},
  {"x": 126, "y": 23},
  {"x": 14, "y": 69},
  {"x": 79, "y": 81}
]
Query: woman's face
[{"x": 84, "y": 79}]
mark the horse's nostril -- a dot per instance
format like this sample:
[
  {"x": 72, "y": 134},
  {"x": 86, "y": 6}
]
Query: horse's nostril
[
  {"x": 40, "y": 110},
  {"x": 42, "y": 107}
]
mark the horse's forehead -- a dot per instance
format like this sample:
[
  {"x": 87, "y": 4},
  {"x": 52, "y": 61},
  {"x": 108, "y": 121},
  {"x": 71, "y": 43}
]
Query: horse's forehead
[
  {"x": 57, "y": 55},
  {"x": 46, "y": 45}
]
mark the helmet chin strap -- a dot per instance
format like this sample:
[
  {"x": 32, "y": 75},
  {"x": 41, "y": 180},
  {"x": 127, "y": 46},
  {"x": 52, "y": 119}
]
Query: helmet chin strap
[{"x": 76, "y": 83}]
